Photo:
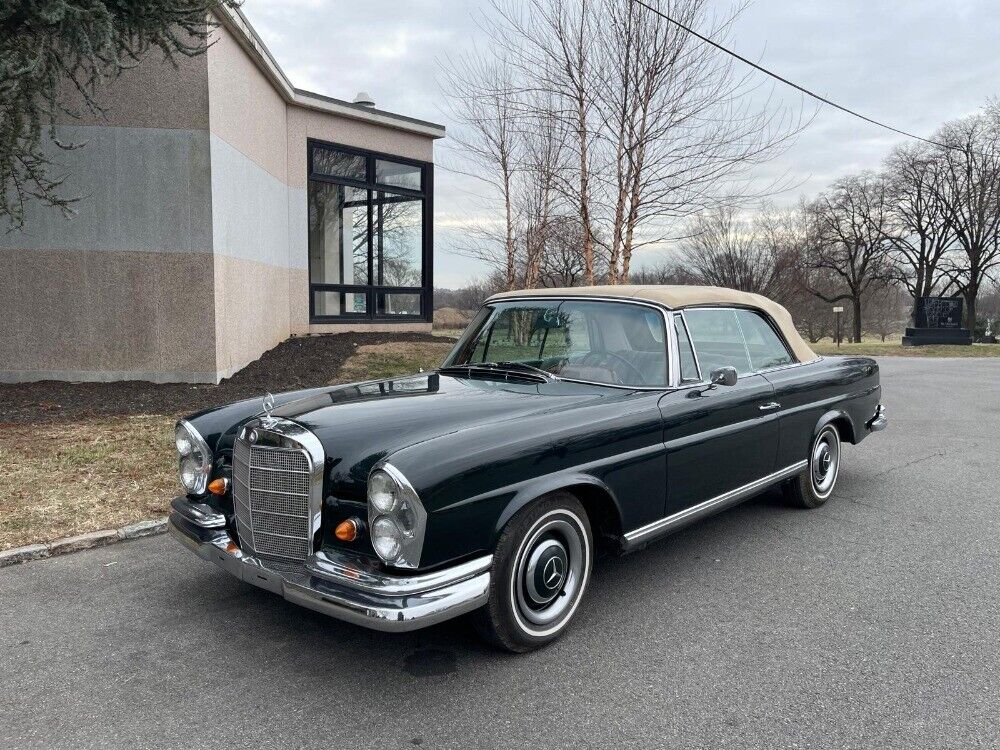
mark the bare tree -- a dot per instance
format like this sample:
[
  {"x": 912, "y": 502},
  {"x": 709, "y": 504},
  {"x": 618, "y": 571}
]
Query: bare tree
[
  {"x": 540, "y": 200},
  {"x": 483, "y": 96},
  {"x": 921, "y": 225},
  {"x": 757, "y": 255},
  {"x": 885, "y": 311},
  {"x": 551, "y": 46},
  {"x": 677, "y": 121},
  {"x": 655, "y": 125},
  {"x": 562, "y": 263},
  {"x": 849, "y": 225},
  {"x": 971, "y": 195}
]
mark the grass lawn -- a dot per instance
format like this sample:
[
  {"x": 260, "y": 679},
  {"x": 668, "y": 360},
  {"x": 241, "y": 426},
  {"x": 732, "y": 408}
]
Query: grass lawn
[
  {"x": 375, "y": 361},
  {"x": 75, "y": 474},
  {"x": 62, "y": 479},
  {"x": 895, "y": 349}
]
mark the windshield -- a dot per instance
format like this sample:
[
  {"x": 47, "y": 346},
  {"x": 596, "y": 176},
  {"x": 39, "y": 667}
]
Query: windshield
[{"x": 600, "y": 342}]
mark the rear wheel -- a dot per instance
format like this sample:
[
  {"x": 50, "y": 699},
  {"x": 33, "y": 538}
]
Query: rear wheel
[
  {"x": 541, "y": 566},
  {"x": 814, "y": 485}
]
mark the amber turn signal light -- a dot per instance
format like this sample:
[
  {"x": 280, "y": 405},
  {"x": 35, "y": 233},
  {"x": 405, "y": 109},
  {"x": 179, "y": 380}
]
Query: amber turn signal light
[
  {"x": 347, "y": 531},
  {"x": 218, "y": 486}
]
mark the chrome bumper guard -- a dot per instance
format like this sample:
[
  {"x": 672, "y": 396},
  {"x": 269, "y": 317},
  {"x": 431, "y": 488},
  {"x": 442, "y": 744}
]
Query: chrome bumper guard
[
  {"x": 879, "y": 421},
  {"x": 339, "y": 585}
]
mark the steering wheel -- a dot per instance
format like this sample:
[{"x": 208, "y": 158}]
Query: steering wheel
[{"x": 602, "y": 360}]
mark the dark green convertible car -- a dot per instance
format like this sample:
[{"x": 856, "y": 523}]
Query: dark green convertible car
[{"x": 564, "y": 420}]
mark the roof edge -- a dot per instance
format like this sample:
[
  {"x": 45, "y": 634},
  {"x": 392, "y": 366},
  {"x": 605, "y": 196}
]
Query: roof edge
[{"x": 240, "y": 27}]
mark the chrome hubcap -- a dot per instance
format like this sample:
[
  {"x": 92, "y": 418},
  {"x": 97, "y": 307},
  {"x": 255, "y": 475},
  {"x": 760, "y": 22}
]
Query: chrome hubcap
[
  {"x": 546, "y": 571},
  {"x": 825, "y": 461},
  {"x": 550, "y": 574}
]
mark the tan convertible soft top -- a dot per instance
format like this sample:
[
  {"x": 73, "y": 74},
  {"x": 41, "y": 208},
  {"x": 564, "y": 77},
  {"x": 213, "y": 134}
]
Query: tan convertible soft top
[{"x": 679, "y": 297}]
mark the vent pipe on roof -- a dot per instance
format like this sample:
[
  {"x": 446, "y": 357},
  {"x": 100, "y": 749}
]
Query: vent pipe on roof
[{"x": 364, "y": 99}]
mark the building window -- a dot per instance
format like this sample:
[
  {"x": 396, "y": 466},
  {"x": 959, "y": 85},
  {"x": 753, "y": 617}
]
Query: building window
[{"x": 370, "y": 248}]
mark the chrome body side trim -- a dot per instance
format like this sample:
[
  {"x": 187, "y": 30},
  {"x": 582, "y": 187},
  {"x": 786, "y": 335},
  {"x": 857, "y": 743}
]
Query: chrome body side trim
[
  {"x": 687, "y": 516},
  {"x": 345, "y": 587},
  {"x": 200, "y": 514}
]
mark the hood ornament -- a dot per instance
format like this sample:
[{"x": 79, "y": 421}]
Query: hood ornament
[{"x": 268, "y": 420}]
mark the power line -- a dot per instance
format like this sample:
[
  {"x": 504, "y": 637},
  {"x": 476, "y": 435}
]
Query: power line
[{"x": 784, "y": 80}]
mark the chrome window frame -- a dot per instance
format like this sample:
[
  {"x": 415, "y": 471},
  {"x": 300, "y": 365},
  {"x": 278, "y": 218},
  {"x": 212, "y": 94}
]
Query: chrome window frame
[
  {"x": 774, "y": 329},
  {"x": 767, "y": 319},
  {"x": 678, "y": 315}
]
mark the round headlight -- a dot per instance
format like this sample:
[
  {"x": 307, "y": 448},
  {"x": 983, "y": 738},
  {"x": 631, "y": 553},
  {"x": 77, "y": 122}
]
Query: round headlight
[
  {"x": 396, "y": 517},
  {"x": 195, "y": 459},
  {"x": 387, "y": 538},
  {"x": 182, "y": 438},
  {"x": 190, "y": 472},
  {"x": 383, "y": 492}
]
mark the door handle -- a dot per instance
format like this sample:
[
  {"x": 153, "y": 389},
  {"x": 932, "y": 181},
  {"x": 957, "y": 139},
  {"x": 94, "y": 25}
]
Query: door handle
[{"x": 770, "y": 406}]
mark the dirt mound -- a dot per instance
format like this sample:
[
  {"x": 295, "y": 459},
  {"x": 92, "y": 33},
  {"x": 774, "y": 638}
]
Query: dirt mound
[{"x": 452, "y": 317}]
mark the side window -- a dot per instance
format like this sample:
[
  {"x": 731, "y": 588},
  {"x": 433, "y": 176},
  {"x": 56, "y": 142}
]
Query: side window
[
  {"x": 718, "y": 340},
  {"x": 766, "y": 348},
  {"x": 689, "y": 367}
]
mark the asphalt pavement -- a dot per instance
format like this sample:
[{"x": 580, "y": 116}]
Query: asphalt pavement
[{"x": 872, "y": 622}]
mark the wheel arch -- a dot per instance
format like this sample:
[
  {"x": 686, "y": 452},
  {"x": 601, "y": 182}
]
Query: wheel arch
[
  {"x": 598, "y": 500},
  {"x": 839, "y": 419}
]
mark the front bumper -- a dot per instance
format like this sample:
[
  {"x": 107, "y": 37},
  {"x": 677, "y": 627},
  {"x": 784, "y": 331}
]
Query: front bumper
[
  {"x": 339, "y": 585},
  {"x": 879, "y": 421}
]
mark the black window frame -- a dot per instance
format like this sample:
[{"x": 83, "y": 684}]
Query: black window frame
[{"x": 374, "y": 288}]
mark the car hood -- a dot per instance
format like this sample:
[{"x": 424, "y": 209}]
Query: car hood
[{"x": 361, "y": 424}]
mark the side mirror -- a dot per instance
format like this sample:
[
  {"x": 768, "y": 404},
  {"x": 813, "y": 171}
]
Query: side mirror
[{"x": 724, "y": 376}]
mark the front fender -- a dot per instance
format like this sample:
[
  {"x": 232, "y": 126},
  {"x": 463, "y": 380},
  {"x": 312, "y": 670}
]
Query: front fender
[{"x": 570, "y": 481}]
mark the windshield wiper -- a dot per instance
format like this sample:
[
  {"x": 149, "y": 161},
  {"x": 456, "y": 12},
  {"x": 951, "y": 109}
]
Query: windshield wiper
[
  {"x": 524, "y": 366},
  {"x": 499, "y": 367}
]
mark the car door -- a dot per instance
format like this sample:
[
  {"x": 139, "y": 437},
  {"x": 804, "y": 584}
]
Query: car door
[
  {"x": 719, "y": 438},
  {"x": 798, "y": 392}
]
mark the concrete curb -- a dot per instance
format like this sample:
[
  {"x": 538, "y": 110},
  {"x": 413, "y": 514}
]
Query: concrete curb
[{"x": 79, "y": 542}]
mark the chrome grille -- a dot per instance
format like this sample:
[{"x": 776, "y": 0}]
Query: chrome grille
[{"x": 271, "y": 493}]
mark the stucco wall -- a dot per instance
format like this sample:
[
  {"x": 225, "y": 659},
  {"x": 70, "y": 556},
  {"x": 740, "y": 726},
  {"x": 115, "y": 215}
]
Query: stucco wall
[
  {"x": 98, "y": 315},
  {"x": 249, "y": 206},
  {"x": 122, "y": 289},
  {"x": 151, "y": 95}
]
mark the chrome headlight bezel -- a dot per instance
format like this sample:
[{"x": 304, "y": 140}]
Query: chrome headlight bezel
[
  {"x": 186, "y": 437},
  {"x": 404, "y": 510}
]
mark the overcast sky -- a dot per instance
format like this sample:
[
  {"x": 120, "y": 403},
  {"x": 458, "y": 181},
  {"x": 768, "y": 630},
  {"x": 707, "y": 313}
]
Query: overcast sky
[{"x": 912, "y": 63}]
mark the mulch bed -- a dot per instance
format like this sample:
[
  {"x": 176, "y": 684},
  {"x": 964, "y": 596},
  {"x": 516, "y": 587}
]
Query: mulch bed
[{"x": 302, "y": 362}]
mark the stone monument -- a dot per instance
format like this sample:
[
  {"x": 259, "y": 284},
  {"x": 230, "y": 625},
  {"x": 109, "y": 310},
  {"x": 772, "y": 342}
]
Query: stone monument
[{"x": 938, "y": 321}]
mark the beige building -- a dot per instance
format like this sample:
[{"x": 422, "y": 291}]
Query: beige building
[{"x": 222, "y": 211}]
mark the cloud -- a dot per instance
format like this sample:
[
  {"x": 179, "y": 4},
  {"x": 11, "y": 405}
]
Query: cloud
[{"x": 912, "y": 63}]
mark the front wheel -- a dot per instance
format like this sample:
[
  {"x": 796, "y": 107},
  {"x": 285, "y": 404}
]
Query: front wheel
[
  {"x": 541, "y": 566},
  {"x": 814, "y": 485}
]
